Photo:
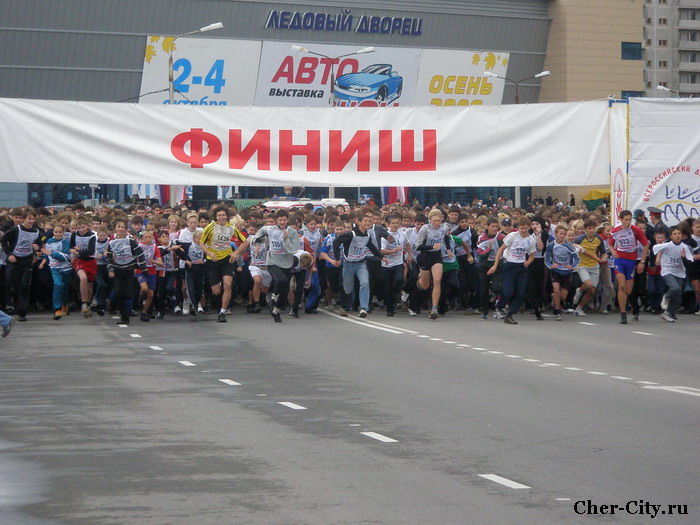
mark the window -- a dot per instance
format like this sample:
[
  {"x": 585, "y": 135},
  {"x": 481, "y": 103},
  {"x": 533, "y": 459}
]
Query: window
[
  {"x": 663, "y": 21},
  {"x": 648, "y": 84},
  {"x": 663, "y": 42},
  {"x": 648, "y": 63},
  {"x": 648, "y": 41},
  {"x": 663, "y": 63},
  {"x": 690, "y": 15},
  {"x": 631, "y": 50},
  {"x": 649, "y": 21},
  {"x": 692, "y": 78},
  {"x": 662, "y": 1},
  {"x": 628, "y": 94},
  {"x": 691, "y": 57},
  {"x": 664, "y": 84}
]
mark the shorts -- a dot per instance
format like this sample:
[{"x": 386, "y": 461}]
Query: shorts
[
  {"x": 426, "y": 260},
  {"x": 89, "y": 266},
  {"x": 590, "y": 274},
  {"x": 625, "y": 267},
  {"x": 262, "y": 272},
  {"x": 150, "y": 280},
  {"x": 564, "y": 280},
  {"x": 217, "y": 270},
  {"x": 693, "y": 272}
]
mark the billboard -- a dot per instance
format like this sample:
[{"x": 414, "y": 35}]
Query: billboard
[{"x": 206, "y": 71}]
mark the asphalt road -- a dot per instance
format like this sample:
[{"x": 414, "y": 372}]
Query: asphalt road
[{"x": 326, "y": 420}]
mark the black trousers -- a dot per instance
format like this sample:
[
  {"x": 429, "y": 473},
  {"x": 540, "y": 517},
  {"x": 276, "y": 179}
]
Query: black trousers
[
  {"x": 487, "y": 283},
  {"x": 19, "y": 275},
  {"x": 280, "y": 284},
  {"x": 123, "y": 286},
  {"x": 393, "y": 282}
]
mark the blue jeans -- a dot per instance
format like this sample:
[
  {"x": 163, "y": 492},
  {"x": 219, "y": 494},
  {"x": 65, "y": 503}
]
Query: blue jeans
[
  {"x": 314, "y": 292},
  {"x": 61, "y": 287},
  {"x": 4, "y": 319},
  {"x": 656, "y": 288},
  {"x": 513, "y": 287},
  {"x": 350, "y": 270}
]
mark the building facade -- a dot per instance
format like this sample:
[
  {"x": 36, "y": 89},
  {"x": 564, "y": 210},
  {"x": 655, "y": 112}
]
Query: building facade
[{"x": 672, "y": 47}]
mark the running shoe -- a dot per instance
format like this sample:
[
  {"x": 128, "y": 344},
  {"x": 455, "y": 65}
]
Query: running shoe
[
  {"x": 623, "y": 318},
  {"x": 635, "y": 317},
  {"x": 411, "y": 313},
  {"x": 664, "y": 302},
  {"x": 508, "y": 319},
  {"x": 221, "y": 318},
  {"x": 667, "y": 317},
  {"x": 145, "y": 318},
  {"x": 362, "y": 314},
  {"x": 484, "y": 317},
  {"x": 342, "y": 313},
  {"x": 275, "y": 313},
  {"x": 404, "y": 297},
  {"x": 200, "y": 310},
  {"x": 22, "y": 318},
  {"x": 57, "y": 315},
  {"x": 160, "y": 316},
  {"x": 558, "y": 317},
  {"x": 580, "y": 312},
  {"x": 86, "y": 310},
  {"x": 499, "y": 314},
  {"x": 433, "y": 314}
]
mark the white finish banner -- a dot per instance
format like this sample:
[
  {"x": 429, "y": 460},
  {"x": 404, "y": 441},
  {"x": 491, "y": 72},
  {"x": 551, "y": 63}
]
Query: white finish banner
[
  {"x": 664, "y": 166},
  {"x": 91, "y": 142},
  {"x": 206, "y": 71},
  {"x": 291, "y": 78},
  {"x": 456, "y": 78}
]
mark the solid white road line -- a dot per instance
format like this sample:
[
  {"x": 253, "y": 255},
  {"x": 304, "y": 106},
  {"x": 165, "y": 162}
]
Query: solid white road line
[
  {"x": 379, "y": 437},
  {"x": 677, "y": 389},
  {"x": 229, "y": 382},
  {"x": 464, "y": 346},
  {"x": 620, "y": 377},
  {"x": 134, "y": 335},
  {"x": 504, "y": 481},
  {"x": 513, "y": 356},
  {"x": 293, "y": 406},
  {"x": 449, "y": 342},
  {"x": 155, "y": 347},
  {"x": 597, "y": 373},
  {"x": 186, "y": 363},
  {"x": 477, "y": 348},
  {"x": 363, "y": 323},
  {"x": 572, "y": 368},
  {"x": 646, "y": 383},
  {"x": 435, "y": 339},
  {"x": 495, "y": 352},
  {"x": 392, "y": 327},
  {"x": 532, "y": 360},
  {"x": 422, "y": 336}
]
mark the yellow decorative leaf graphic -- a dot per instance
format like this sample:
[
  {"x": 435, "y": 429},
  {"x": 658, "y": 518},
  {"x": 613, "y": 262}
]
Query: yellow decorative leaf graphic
[
  {"x": 168, "y": 44},
  {"x": 154, "y": 39},
  {"x": 505, "y": 61},
  {"x": 490, "y": 61},
  {"x": 150, "y": 53},
  {"x": 476, "y": 59}
]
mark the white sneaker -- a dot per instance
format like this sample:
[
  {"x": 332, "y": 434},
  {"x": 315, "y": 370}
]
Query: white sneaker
[
  {"x": 228, "y": 311},
  {"x": 177, "y": 310},
  {"x": 404, "y": 297},
  {"x": 580, "y": 312},
  {"x": 667, "y": 317},
  {"x": 200, "y": 309},
  {"x": 362, "y": 314},
  {"x": 577, "y": 296},
  {"x": 664, "y": 302},
  {"x": 499, "y": 314},
  {"x": 186, "y": 308},
  {"x": 411, "y": 312}
]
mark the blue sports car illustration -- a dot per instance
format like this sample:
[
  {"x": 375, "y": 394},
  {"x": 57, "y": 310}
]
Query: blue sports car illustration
[{"x": 376, "y": 82}]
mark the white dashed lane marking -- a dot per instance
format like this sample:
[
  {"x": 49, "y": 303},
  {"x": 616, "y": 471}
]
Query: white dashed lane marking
[
  {"x": 380, "y": 437},
  {"x": 229, "y": 382},
  {"x": 155, "y": 347},
  {"x": 134, "y": 335},
  {"x": 504, "y": 481},
  {"x": 642, "y": 333},
  {"x": 291, "y": 405},
  {"x": 186, "y": 363}
]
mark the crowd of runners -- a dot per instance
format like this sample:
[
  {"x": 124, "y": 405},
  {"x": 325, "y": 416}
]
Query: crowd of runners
[{"x": 150, "y": 262}]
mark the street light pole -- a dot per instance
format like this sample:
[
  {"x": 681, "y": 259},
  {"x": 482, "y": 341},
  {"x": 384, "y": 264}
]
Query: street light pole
[
  {"x": 171, "y": 88},
  {"x": 331, "y": 100},
  {"x": 667, "y": 90},
  {"x": 517, "y": 83}
]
